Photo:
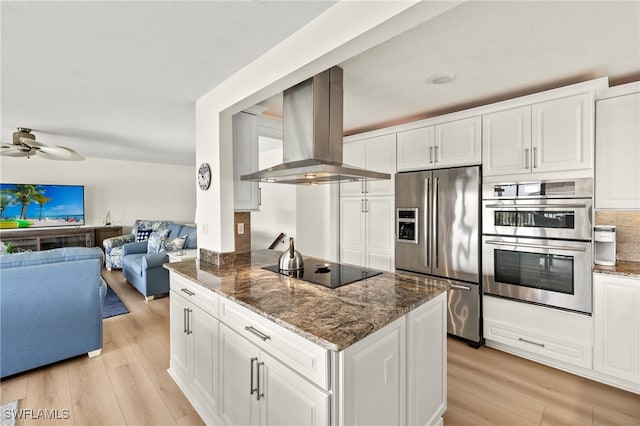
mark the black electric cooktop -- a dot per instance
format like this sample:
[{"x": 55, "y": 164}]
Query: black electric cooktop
[{"x": 327, "y": 274}]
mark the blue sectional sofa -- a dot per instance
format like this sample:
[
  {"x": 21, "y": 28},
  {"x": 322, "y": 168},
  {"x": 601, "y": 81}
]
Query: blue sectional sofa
[
  {"x": 144, "y": 270},
  {"x": 50, "y": 307}
]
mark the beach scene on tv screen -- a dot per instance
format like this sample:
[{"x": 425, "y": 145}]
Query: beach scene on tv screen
[{"x": 31, "y": 206}]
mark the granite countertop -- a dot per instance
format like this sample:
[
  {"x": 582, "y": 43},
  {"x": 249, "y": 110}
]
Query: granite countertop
[
  {"x": 627, "y": 269},
  {"x": 331, "y": 318}
]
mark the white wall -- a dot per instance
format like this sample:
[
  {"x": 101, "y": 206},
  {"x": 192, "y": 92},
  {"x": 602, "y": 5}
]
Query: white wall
[
  {"x": 130, "y": 190},
  {"x": 278, "y": 209}
]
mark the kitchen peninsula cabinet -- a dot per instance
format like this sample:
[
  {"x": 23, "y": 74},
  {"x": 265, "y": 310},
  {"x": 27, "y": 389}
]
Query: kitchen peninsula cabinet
[
  {"x": 618, "y": 150},
  {"x": 374, "y": 353},
  {"x": 617, "y": 327},
  {"x": 551, "y": 136},
  {"x": 455, "y": 143}
]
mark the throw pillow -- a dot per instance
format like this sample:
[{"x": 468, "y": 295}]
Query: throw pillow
[
  {"x": 173, "y": 244},
  {"x": 156, "y": 239},
  {"x": 143, "y": 234}
]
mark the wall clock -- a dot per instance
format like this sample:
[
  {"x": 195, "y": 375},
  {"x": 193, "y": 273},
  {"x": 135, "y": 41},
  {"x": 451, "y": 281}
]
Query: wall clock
[{"x": 204, "y": 176}]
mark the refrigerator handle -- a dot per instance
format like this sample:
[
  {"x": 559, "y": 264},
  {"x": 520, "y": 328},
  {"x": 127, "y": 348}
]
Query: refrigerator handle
[
  {"x": 434, "y": 228},
  {"x": 426, "y": 210}
]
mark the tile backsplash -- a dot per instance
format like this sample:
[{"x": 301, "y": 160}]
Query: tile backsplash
[{"x": 627, "y": 232}]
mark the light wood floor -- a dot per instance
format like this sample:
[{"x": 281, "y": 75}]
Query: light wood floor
[{"x": 128, "y": 383}]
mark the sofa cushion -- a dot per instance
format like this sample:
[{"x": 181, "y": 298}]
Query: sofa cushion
[
  {"x": 49, "y": 256},
  {"x": 174, "y": 230},
  {"x": 143, "y": 234},
  {"x": 192, "y": 237},
  {"x": 156, "y": 240},
  {"x": 173, "y": 244},
  {"x": 133, "y": 262}
]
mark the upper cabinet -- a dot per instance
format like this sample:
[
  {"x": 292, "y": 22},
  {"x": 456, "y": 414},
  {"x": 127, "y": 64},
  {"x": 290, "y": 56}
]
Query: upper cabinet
[
  {"x": 246, "y": 195},
  {"x": 378, "y": 154},
  {"x": 456, "y": 143},
  {"x": 617, "y": 176},
  {"x": 551, "y": 136}
]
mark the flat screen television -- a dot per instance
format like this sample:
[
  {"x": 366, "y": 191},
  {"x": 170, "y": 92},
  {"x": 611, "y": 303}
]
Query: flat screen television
[{"x": 36, "y": 206}]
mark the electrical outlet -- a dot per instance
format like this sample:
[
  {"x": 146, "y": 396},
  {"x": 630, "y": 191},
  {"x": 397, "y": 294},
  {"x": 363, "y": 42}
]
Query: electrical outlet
[
  {"x": 240, "y": 228},
  {"x": 388, "y": 370}
]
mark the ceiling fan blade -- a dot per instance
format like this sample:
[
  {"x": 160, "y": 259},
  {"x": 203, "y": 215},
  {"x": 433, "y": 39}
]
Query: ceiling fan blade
[
  {"x": 7, "y": 150},
  {"x": 59, "y": 153}
]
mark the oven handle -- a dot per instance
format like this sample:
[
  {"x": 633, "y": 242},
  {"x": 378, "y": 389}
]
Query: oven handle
[
  {"x": 540, "y": 246},
  {"x": 536, "y": 206}
]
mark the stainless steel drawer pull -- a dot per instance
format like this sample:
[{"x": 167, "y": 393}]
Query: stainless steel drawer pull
[
  {"x": 538, "y": 246},
  {"x": 536, "y": 206},
  {"x": 260, "y": 393},
  {"x": 258, "y": 333},
  {"x": 460, "y": 287},
  {"x": 252, "y": 390},
  {"x": 189, "y": 292},
  {"x": 530, "y": 342}
]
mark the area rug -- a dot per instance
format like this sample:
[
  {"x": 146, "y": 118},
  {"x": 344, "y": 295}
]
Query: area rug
[
  {"x": 8, "y": 413},
  {"x": 113, "y": 305}
]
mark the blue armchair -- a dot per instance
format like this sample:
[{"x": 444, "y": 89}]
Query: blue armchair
[
  {"x": 144, "y": 270},
  {"x": 113, "y": 246}
]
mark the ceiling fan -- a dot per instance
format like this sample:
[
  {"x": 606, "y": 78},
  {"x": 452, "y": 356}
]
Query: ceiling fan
[{"x": 25, "y": 145}]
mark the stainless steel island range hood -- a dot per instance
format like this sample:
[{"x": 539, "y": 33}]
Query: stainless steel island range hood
[{"x": 312, "y": 136}]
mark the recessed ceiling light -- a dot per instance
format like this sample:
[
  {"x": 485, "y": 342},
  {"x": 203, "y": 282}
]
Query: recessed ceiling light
[{"x": 441, "y": 78}]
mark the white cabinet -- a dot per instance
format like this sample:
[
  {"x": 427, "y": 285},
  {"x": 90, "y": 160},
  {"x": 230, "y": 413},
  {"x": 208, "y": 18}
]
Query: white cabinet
[
  {"x": 617, "y": 176},
  {"x": 617, "y": 327},
  {"x": 245, "y": 160},
  {"x": 367, "y": 232},
  {"x": 546, "y": 335},
  {"x": 427, "y": 363},
  {"x": 194, "y": 343},
  {"x": 455, "y": 143},
  {"x": 256, "y": 389},
  {"x": 377, "y": 154},
  {"x": 551, "y": 136}
]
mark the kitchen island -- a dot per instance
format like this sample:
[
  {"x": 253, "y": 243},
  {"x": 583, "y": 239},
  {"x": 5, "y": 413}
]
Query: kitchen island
[{"x": 252, "y": 346}]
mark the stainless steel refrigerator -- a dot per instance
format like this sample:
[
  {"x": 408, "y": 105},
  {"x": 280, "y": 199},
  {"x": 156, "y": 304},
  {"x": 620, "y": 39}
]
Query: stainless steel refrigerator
[{"x": 437, "y": 221}]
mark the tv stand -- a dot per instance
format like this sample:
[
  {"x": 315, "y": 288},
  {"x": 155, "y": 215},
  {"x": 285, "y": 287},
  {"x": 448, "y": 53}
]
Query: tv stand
[{"x": 50, "y": 238}]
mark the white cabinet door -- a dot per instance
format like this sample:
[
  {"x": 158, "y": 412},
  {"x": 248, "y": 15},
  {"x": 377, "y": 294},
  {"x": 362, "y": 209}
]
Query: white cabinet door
[
  {"x": 287, "y": 398},
  {"x": 352, "y": 231},
  {"x": 204, "y": 329},
  {"x": 562, "y": 134},
  {"x": 180, "y": 350},
  {"x": 373, "y": 388},
  {"x": 245, "y": 161},
  {"x": 380, "y": 155},
  {"x": 618, "y": 152},
  {"x": 427, "y": 363},
  {"x": 415, "y": 149},
  {"x": 506, "y": 142},
  {"x": 380, "y": 236},
  {"x": 238, "y": 383},
  {"x": 353, "y": 154},
  {"x": 458, "y": 143},
  {"x": 617, "y": 326},
  {"x": 377, "y": 154}
]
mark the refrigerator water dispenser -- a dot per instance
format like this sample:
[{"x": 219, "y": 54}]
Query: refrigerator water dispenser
[{"x": 605, "y": 245}]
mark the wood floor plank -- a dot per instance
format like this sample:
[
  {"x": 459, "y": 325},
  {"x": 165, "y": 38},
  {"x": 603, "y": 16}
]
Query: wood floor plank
[
  {"x": 191, "y": 419},
  {"x": 557, "y": 417},
  {"x": 13, "y": 388},
  {"x": 607, "y": 416},
  {"x": 139, "y": 400},
  {"x": 94, "y": 401},
  {"x": 48, "y": 398}
]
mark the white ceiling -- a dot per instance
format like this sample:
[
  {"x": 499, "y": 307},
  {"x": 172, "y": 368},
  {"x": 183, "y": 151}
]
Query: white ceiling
[{"x": 119, "y": 79}]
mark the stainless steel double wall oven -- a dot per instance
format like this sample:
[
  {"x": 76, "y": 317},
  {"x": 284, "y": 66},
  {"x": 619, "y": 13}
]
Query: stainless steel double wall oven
[{"x": 537, "y": 242}]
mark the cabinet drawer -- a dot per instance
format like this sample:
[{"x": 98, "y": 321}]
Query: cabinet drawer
[
  {"x": 195, "y": 293},
  {"x": 307, "y": 358},
  {"x": 561, "y": 349}
]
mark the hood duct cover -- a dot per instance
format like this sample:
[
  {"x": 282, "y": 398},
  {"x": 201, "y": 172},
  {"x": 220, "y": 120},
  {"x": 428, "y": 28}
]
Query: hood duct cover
[{"x": 312, "y": 136}]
